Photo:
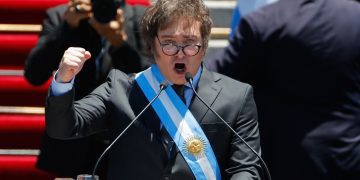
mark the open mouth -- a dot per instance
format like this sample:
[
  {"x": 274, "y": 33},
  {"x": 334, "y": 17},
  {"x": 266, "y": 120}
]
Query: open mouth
[{"x": 180, "y": 67}]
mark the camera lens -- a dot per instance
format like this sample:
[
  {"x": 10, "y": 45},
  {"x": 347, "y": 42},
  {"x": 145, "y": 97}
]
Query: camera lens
[{"x": 104, "y": 10}]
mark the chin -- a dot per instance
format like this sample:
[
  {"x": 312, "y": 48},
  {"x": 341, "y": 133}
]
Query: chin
[{"x": 179, "y": 81}]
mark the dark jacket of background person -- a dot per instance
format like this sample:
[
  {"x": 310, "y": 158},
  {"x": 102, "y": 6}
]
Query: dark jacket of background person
[
  {"x": 72, "y": 157},
  {"x": 56, "y": 36},
  {"x": 303, "y": 59}
]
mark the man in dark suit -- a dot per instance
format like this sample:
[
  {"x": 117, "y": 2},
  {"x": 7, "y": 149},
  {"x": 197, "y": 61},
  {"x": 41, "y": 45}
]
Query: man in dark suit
[
  {"x": 113, "y": 44},
  {"x": 176, "y": 138},
  {"x": 303, "y": 59}
]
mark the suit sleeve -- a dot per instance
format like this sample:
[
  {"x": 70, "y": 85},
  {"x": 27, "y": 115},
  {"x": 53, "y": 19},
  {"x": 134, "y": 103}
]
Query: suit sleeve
[
  {"x": 46, "y": 55},
  {"x": 245, "y": 57},
  {"x": 237, "y": 55},
  {"x": 244, "y": 164},
  {"x": 69, "y": 119}
]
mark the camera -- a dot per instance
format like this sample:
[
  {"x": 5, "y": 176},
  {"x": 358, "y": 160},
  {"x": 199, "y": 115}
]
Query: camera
[{"x": 105, "y": 10}]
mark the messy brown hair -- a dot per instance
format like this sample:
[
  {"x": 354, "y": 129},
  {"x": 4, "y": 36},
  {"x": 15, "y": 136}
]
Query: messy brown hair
[{"x": 164, "y": 12}]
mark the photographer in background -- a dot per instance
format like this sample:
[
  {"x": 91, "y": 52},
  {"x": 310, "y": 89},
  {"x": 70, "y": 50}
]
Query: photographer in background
[{"x": 109, "y": 30}]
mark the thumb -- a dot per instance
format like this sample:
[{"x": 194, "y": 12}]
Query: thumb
[{"x": 87, "y": 55}]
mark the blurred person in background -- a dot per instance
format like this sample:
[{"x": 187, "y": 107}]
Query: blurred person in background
[
  {"x": 244, "y": 7},
  {"x": 303, "y": 59},
  {"x": 109, "y": 30}
]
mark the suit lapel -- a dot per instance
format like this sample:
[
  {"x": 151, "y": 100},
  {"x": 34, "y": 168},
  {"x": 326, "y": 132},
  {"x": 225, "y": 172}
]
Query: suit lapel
[
  {"x": 138, "y": 101},
  {"x": 208, "y": 90}
]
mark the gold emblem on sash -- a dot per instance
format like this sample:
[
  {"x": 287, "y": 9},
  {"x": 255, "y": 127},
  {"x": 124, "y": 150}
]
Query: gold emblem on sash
[{"x": 195, "y": 146}]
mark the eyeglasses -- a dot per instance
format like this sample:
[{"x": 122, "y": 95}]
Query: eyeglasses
[{"x": 171, "y": 49}]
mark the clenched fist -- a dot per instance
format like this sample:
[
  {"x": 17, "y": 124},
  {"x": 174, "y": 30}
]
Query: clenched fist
[{"x": 71, "y": 63}]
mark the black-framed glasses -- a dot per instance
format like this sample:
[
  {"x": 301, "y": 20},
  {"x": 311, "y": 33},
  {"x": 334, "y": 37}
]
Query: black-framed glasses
[{"x": 171, "y": 49}]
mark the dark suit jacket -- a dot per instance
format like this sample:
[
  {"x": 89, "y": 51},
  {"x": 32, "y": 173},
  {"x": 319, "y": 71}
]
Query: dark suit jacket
[
  {"x": 139, "y": 154},
  {"x": 72, "y": 157},
  {"x": 303, "y": 59}
]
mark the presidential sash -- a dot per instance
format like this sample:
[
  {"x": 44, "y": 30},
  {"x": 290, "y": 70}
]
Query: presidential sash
[{"x": 181, "y": 125}]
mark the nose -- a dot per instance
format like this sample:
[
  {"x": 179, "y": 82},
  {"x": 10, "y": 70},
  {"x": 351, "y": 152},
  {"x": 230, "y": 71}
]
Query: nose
[{"x": 181, "y": 53}]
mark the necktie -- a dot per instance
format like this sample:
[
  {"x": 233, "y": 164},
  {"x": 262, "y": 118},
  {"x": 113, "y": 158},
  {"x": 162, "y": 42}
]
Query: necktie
[
  {"x": 168, "y": 142},
  {"x": 99, "y": 59},
  {"x": 179, "y": 89}
]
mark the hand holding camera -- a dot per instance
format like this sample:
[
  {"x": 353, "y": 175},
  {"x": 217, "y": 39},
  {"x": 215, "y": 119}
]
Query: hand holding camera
[
  {"x": 105, "y": 16},
  {"x": 113, "y": 31},
  {"x": 77, "y": 11}
]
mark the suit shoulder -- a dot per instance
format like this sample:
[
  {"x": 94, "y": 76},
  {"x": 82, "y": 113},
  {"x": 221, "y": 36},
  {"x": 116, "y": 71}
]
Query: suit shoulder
[
  {"x": 116, "y": 75},
  {"x": 57, "y": 9},
  {"x": 139, "y": 9},
  {"x": 230, "y": 82},
  {"x": 233, "y": 91},
  {"x": 134, "y": 12}
]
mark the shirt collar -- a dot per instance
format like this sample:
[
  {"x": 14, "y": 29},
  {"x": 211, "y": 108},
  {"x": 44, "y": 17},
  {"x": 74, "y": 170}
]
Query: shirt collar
[{"x": 196, "y": 78}]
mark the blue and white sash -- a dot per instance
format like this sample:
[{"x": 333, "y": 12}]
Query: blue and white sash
[{"x": 181, "y": 125}]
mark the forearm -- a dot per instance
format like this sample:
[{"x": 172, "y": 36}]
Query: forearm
[
  {"x": 69, "y": 119},
  {"x": 60, "y": 118}
]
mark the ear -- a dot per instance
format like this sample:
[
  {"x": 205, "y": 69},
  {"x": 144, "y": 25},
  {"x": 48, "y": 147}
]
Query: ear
[{"x": 203, "y": 51}]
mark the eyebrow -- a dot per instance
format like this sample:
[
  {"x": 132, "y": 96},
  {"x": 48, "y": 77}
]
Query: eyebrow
[{"x": 172, "y": 36}]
